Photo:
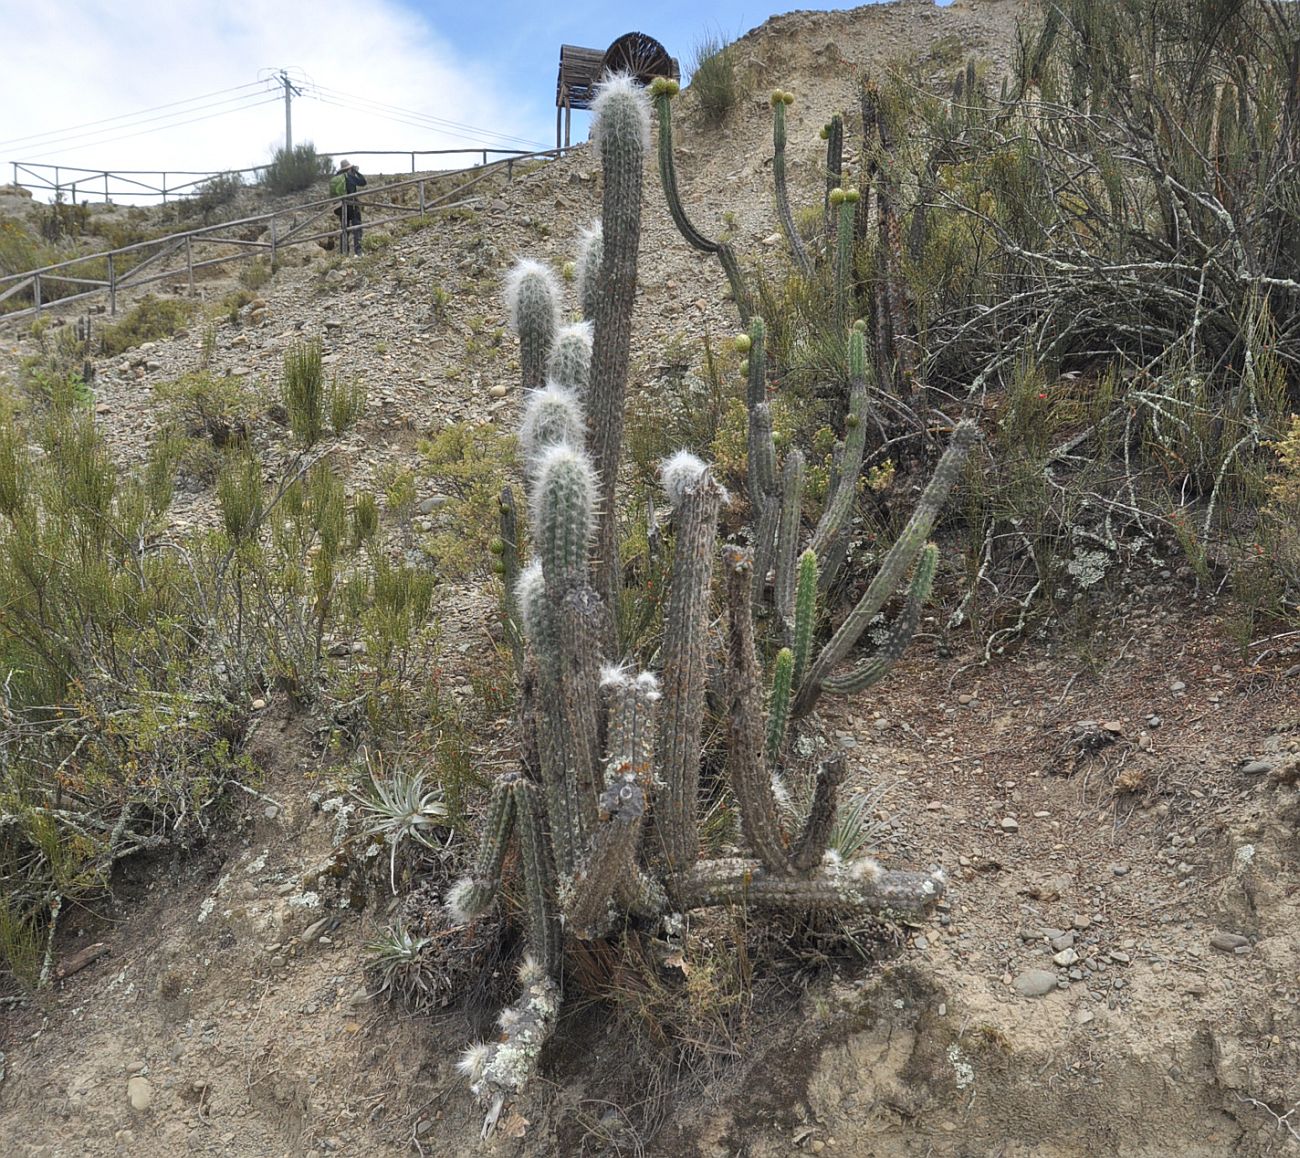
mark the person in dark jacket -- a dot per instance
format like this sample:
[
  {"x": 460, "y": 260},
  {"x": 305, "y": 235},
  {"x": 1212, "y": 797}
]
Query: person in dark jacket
[{"x": 352, "y": 181}]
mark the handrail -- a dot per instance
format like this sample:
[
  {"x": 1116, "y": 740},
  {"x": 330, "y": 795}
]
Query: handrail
[
  {"x": 169, "y": 244},
  {"x": 39, "y": 172}
]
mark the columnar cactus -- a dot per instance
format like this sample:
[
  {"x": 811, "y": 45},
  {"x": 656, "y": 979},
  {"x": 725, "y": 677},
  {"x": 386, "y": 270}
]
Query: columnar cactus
[
  {"x": 779, "y": 102},
  {"x": 606, "y": 744},
  {"x": 663, "y": 90}
]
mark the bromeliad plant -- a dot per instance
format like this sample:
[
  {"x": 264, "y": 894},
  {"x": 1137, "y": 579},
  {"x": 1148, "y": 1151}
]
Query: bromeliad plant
[{"x": 605, "y": 806}]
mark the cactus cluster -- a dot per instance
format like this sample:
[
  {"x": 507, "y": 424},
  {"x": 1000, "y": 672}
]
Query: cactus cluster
[{"x": 605, "y": 806}]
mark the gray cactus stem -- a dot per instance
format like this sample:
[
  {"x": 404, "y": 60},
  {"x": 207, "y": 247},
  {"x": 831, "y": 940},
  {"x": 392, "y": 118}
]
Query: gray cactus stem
[
  {"x": 747, "y": 768},
  {"x": 840, "y": 503},
  {"x": 539, "y": 877},
  {"x": 685, "y": 672},
  {"x": 589, "y": 912},
  {"x": 509, "y": 523},
  {"x": 834, "y": 170},
  {"x": 787, "y": 532},
  {"x": 581, "y": 618},
  {"x": 893, "y": 567},
  {"x": 850, "y": 888},
  {"x": 810, "y": 846},
  {"x": 473, "y": 896}
]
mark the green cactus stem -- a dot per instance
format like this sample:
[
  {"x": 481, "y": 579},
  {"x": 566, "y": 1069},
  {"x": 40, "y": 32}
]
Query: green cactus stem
[
  {"x": 787, "y": 531},
  {"x": 472, "y": 896},
  {"x": 663, "y": 95},
  {"x": 802, "y": 260},
  {"x": 764, "y": 490},
  {"x": 778, "y": 704},
  {"x": 805, "y": 614},
  {"x": 621, "y": 132},
  {"x": 858, "y": 886},
  {"x": 697, "y": 499},
  {"x": 893, "y": 567},
  {"x": 569, "y": 363},
  {"x": 533, "y": 300},
  {"x": 899, "y": 635},
  {"x": 591, "y": 252},
  {"x": 810, "y": 846},
  {"x": 747, "y": 768},
  {"x": 839, "y": 506}
]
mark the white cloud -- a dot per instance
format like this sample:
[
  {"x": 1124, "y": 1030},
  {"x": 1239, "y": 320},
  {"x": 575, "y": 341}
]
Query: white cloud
[{"x": 83, "y": 61}]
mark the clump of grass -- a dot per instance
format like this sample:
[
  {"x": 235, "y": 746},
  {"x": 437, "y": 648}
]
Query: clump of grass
[
  {"x": 715, "y": 80},
  {"x": 303, "y": 391}
]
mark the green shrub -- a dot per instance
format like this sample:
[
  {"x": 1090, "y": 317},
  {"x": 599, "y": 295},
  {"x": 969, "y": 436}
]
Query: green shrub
[
  {"x": 152, "y": 319},
  {"x": 292, "y": 171},
  {"x": 215, "y": 193},
  {"x": 303, "y": 391}
]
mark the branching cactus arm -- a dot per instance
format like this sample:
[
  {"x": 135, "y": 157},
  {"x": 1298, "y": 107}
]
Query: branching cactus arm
[
  {"x": 840, "y": 503},
  {"x": 894, "y": 566},
  {"x": 662, "y": 89},
  {"x": 472, "y": 896},
  {"x": 780, "y": 100},
  {"x": 834, "y": 132},
  {"x": 569, "y": 363},
  {"x": 787, "y": 531},
  {"x": 820, "y": 822}
]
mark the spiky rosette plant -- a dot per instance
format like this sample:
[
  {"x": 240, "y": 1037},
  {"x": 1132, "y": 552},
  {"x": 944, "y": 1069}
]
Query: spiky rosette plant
[{"x": 607, "y": 745}]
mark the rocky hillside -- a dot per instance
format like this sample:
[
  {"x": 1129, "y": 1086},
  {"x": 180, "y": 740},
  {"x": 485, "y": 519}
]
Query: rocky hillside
[{"x": 1115, "y": 969}]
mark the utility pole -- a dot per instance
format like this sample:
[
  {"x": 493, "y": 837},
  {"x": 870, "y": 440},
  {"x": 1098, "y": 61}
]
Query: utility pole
[{"x": 290, "y": 91}]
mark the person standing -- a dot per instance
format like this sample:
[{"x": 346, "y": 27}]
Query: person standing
[{"x": 352, "y": 181}]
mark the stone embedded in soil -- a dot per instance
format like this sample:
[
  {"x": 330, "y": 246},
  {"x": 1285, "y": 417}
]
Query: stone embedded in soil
[
  {"x": 1229, "y": 942},
  {"x": 1120, "y": 870},
  {"x": 1065, "y": 958},
  {"x": 140, "y": 1094},
  {"x": 1034, "y": 982},
  {"x": 1256, "y": 768},
  {"x": 1062, "y": 942},
  {"x": 1010, "y": 824}
]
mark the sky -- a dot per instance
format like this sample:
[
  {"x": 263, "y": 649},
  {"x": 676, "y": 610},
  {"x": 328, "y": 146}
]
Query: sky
[{"x": 194, "y": 84}]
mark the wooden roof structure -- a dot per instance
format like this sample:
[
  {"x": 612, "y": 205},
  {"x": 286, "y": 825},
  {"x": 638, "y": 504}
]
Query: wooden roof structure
[{"x": 581, "y": 69}]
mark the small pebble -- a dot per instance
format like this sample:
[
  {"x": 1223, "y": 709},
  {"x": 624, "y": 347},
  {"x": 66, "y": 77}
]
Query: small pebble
[{"x": 1229, "y": 942}]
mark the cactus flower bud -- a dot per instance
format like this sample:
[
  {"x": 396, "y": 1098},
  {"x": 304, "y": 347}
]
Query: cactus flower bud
[
  {"x": 837, "y": 197},
  {"x": 742, "y": 343}
]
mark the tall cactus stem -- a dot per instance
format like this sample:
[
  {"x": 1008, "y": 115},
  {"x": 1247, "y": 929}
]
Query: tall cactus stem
[
  {"x": 697, "y": 504},
  {"x": 563, "y": 499},
  {"x": 802, "y": 260},
  {"x": 663, "y": 95},
  {"x": 621, "y": 132},
  {"x": 893, "y": 567},
  {"x": 509, "y": 534},
  {"x": 747, "y": 767},
  {"x": 846, "y": 202},
  {"x": 553, "y": 416},
  {"x": 591, "y": 251}
]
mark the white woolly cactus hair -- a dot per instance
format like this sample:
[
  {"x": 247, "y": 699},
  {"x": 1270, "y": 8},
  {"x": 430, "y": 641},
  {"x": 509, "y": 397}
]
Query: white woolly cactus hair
[
  {"x": 526, "y": 278},
  {"x": 473, "y": 1061},
  {"x": 619, "y": 675},
  {"x": 530, "y": 590},
  {"x": 679, "y": 472},
  {"x": 458, "y": 896},
  {"x": 553, "y": 416},
  {"x": 620, "y": 105}
]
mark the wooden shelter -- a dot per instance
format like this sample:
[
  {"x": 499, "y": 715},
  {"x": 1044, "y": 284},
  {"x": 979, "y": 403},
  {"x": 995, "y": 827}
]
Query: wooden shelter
[{"x": 581, "y": 68}]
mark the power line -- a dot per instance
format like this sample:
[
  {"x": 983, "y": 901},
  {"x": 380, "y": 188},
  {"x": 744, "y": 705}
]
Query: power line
[
  {"x": 178, "y": 124},
  {"x": 419, "y": 119},
  {"x": 73, "y": 130},
  {"x": 96, "y": 137}
]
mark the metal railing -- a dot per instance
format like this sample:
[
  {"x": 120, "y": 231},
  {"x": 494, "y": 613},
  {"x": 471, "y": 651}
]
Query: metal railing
[
  {"x": 71, "y": 183},
  {"x": 146, "y": 262}
]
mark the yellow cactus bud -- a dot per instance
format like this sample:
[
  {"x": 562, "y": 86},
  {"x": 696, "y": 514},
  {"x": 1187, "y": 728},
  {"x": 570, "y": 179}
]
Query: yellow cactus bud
[{"x": 742, "y": 343}]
